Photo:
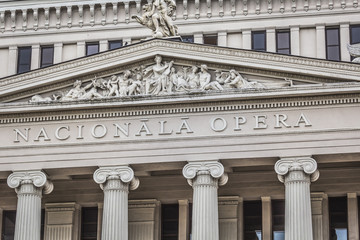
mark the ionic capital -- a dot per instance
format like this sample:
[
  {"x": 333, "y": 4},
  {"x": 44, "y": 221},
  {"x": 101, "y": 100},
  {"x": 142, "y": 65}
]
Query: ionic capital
[
  {"x": 306, "y": 164},
  {"x": 213, "y": 168},
  {"x": 124, "y": 173},
  {"x": 37, "y": 178}
]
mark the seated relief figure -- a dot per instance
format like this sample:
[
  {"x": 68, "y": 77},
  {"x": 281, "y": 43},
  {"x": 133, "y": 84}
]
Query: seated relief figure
[
  {"x": 157, "y": 76},
  {"x": 157, "y": 17},
  {"x": 235, "y": 80},
  {"x": 160, "y": 78}
]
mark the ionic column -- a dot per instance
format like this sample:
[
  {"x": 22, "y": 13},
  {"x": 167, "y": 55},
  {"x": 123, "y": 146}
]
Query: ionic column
[
  {"x": 297, "y": 173},
  {"x": 205, "y": 177},
  {"x": 29, "y": 187},
  {"x": 115, "y": 181}
]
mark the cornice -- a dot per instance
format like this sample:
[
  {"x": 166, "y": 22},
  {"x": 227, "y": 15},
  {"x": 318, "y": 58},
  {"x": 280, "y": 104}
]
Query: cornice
[
  {"x": 81, "y": 67},
  {"x": 204, "y": 103}
]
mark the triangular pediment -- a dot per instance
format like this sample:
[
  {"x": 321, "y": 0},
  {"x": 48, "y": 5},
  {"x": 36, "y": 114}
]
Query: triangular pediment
[{"x": 163, "y": 68}]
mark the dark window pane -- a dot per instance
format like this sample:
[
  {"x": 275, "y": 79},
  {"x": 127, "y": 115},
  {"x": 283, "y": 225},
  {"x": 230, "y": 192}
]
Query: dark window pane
[
  {"x": 338, "y": 218},
  {"x": 333, "y": 53},
  {"x": 355, "y": 34},
  {"x": 278, "y": 219},
  {"x": 47, "y": 56},
  {"x": 210, "y": 39},
  {"x": 8, "y": 227},
  {"x": 332, "y": 36},
  {"x": 189, "y": 39},
  {"x": 92, "y": 48},
  {"x": 259, "y": 41},
  {"x": 252, "y": 220},
  {"x": 283, "y": 42},
  {"x": 89, "y": 217},
  {"x": 115, "y": 44},
  {"x": 24, "y": 59},
  {"x": 169, "y": 221},
  {"x": 332, "y": 44}
]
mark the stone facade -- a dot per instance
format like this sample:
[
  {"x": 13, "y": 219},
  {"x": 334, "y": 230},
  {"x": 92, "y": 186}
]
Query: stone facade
[{"x": 209, "y": 129}]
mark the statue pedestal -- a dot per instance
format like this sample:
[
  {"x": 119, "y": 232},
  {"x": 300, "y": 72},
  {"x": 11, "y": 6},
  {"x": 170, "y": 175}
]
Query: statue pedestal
[{"x": 173, "y": 38}]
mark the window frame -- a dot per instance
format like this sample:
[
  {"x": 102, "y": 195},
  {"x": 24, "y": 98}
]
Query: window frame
[
  {"x": 351, "y": 37},
  {"x": 115, "y": 41},
  {"x": 83, "y": 209},
  {"x": 92, "y": 44},
  {"x": 188, "y": 37},
  {"x": 215, "y": 36},
  {"x": 164, "y": 221},
  {"x": 253, "y": 33},
  {"x": 19, "y": 57},
  {"x": 327, "y": 45},
  {"x": 41, "y": 55},
  {"x": 277, "y": 41}
]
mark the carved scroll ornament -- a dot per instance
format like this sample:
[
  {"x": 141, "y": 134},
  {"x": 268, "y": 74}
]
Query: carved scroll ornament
[
  {"x": 38, "y": 178},
  {"x": 126, "y": 175},
  {"x": 306, "y": 164}
]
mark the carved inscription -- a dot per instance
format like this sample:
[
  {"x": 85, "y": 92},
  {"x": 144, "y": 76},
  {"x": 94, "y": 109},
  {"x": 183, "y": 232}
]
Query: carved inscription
[{"x": 142, "y": 128}]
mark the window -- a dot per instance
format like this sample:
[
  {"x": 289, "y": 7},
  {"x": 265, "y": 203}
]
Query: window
[
  {"x": 332, "y": 44},
  {"x": 8, "y": 226},
  {"x": 252, "y": 220},
  {"x": 47, "y": 56},
  {"x": 210, "y": 39},
  {"x": 283, "y": 42},
  {"x": 258, "y": 42},
  {"x": 338, "y": 218},
  {"x": 24, "y": 59},
  {"x": 169, "y": 221},
  {"x": 354, "y": 35},
  {"x": 189, "y": 39},
  {"x": 115, "y": 44},
  {"x": 278, "y": 219},
  {"x": 89, "y": 217},
  {"x": 92, "y": 48}
]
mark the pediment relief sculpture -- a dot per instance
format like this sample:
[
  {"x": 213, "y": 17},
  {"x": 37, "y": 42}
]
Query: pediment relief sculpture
[
  {"x": 157, "y": 17},
  {"x": 354, "y": 51},
  {"x": 161, "y": 78}
]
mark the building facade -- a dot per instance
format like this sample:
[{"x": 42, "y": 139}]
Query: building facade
[{"x": 247, "y": 129}]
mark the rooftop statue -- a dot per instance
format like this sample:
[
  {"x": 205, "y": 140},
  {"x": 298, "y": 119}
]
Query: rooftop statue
[
  {"x": 157, "y": 16},
  {"x": 354, "y": 51}
]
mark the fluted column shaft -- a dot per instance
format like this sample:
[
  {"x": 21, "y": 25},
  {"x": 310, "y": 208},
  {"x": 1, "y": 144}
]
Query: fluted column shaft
[
  {"x": 29, "y": 187},
  {"x": 205, "y": 207},
  {"x": 115, "y": 211},
  {"x": 205, "y": 177},
  {"x": 116, "y": 182},
  {"x": 28, "y": 213},
  {"x": 297, "y": 174},
  {"x": 298, "y": 216}
]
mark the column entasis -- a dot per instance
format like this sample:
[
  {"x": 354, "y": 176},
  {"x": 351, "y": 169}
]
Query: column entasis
[
  {"x": 116, "y": 182},
  {"x": 205, "y": 177},
  {"x": 29, "y": 187},
  {"x": 297, "y": 173}
]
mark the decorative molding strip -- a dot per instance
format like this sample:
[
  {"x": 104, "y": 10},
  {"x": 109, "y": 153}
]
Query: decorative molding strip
[{"x": 211, "y": 106}]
